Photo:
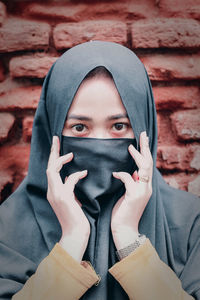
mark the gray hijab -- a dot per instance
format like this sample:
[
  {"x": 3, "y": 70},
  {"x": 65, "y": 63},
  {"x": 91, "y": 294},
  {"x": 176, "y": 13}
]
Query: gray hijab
[{"x": 29, "y": 227}]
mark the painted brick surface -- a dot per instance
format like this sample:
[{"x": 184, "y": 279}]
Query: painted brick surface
[
  {"x": 187, "y": 124},
  {"x": 2, "y": 13},
  {"x": 165, "y": 32},
  {"x": 27, "y": 128},
  {"x": 170, "y": 67},
  {"x": 71, "y": 34},
  {"x": 180, "y": 8},
  {"x": 6, "y": 123},
  {"x": 31, "y": 66},
  {"x": 20, "y": 99},
  {"x": 18, "y": 34}
]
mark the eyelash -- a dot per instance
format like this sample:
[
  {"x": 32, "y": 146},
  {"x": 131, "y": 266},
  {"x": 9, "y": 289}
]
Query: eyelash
[
  {"x": 80, "y": 124},
  {"x": 121, "y": 123},
  {"x": 127, "y": 125}
]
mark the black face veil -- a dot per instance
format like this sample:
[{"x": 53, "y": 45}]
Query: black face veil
[{"x": 28, "y": 210}]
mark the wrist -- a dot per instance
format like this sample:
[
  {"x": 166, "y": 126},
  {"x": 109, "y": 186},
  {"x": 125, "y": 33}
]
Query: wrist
[
  {"x": 124, "y": 237},
  {"x": 74, "y": 245}
]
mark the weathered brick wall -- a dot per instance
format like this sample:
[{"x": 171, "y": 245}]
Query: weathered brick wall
[{"x": 165, "y": 34}]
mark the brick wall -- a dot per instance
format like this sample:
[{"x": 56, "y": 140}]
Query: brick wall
[{"x": 165, "y": 34}]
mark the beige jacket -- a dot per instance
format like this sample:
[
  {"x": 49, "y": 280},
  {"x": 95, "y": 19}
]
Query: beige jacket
[{"x": 141, "y": 274}]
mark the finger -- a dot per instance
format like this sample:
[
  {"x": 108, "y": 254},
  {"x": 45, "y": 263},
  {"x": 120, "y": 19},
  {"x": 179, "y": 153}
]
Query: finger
[
  {"x": 55, "y": 147},
  {"x": 125, "y": 178},
  {"x": 54, "y": 179},
  {"x": 63, "y": 160},
  {"x": 54, "y": 167},
  {"x": 135, "y": 155},
  {"x": 144, "y": 144},
  {"x": 74, "y": 178}
]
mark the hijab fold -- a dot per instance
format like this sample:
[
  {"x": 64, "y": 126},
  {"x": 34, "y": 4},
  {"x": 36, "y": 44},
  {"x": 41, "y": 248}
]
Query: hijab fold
[{"x": 29, "y": 227}]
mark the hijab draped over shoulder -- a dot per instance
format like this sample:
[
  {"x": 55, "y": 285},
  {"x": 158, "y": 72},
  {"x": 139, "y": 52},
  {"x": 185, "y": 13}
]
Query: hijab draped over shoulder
[{"x": 29, "y": 227}]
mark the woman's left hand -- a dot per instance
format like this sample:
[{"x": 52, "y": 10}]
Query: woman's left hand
[{"x": 129, "y": 208}]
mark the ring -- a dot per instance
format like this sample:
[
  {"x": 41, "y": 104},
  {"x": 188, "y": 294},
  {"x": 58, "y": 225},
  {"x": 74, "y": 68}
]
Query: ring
[{"x": 144, "y": 178}]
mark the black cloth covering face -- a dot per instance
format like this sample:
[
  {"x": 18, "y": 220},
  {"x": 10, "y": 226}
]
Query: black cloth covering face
[
  {"x": 100, "y": 157},
  {"x": 29, "y": 227}
]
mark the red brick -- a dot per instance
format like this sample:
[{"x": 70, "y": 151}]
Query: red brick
[
  {"x": 180, "y": 8},
  {"x": 142, "y": 9},
  {"x": 15, "y": 160},
  {"x": 195, "y": 162},
  {"x": 6, "y": 182},
  {"x": 183, "y": 181},
  {"x": 186, "y": 124},
  {"x": 2, "y": 72},
  {"x": 176, "y": 97},
  {"x": 31, "y": 65},
  {"x": 9, "y": 84},
  {"x": 165, "y": 133},
  {"x": 194, "y": 186},
  {"x": 27, "y": 128},
  {"x": 20, "y": 98},
  {"x": 170, "y": 67},
  {"x": 64, "y": 12},
  {"x": 18, "y": 34},
  {"x": 15, "y": 156},
  {"x": 171, "y": 180},
  {"x": 170, "y": 33},
  {"x": 67, "y": 35},
  {"x": 178, "y": 158},
  {"x": 6, "y": 123},
  {"x": 2, "y": 13},
  {"x": 122, "y": 10}
]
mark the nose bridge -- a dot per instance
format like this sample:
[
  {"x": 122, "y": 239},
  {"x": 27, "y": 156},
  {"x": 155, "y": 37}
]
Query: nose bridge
[{"x": 100, "y": 132}]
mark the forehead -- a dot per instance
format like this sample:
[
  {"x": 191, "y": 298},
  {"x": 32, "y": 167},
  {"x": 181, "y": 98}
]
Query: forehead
[{"x": 97, "y": 94}]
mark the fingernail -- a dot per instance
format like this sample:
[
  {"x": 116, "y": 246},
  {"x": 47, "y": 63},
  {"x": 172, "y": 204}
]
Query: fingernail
[
  {"x": 130, "y": 146},
  {"x": 115, "y": 174},
  {"x": 54, "y": 138},
  {"x": 144, "y": 133}
]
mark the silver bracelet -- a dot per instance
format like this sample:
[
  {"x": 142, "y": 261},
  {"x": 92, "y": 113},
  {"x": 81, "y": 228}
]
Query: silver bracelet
[{"x": 140, "y": 240}]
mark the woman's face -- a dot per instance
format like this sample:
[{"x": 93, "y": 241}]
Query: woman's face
[{"x": 97, "y": 111}]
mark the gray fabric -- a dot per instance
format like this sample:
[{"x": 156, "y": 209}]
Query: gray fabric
[{"x": 29, "y": 227}]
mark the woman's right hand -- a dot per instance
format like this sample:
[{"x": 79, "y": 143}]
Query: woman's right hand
[{"x": 75, "y": 225}]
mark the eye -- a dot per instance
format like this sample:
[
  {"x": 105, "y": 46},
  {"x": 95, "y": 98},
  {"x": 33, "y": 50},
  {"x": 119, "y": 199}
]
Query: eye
[
  {"x": 120, "y": 126},
  {"x": 79, "y": 127}
]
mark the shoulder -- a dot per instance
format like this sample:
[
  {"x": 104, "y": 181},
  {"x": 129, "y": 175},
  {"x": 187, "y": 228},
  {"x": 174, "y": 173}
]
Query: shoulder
[{"x": 19, "y": 229}]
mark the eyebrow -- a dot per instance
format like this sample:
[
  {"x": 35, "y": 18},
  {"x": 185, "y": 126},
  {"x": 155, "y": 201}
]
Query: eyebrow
[
  {"x": 119, "y": 116},
  {"x": 79, "y": 117},
  {"x": 84, "y": 118}
]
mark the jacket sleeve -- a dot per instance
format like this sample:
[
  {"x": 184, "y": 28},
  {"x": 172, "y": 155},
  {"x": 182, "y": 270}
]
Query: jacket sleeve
[
  {"x": 144, "y": 276},
  {"x": 58, "y": 276}
]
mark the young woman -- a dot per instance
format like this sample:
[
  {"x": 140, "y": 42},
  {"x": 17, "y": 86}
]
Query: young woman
[{"x": 94, "y": 219}]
